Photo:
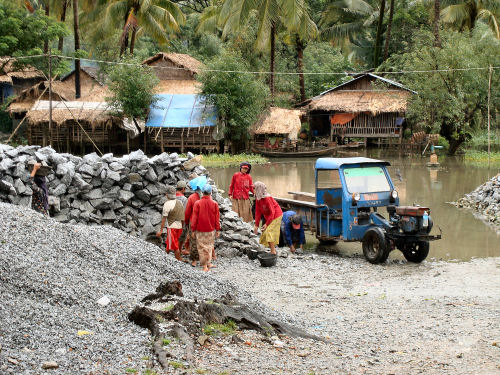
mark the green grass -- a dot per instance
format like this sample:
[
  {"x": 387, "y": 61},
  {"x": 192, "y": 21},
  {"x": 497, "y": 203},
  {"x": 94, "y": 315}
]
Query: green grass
[
  {"x": 166, "y": 342},
  {"x": 131, "y": 371},
  {"x": 148, "y": 371},
  {"x": 226, "y": 329},
  {"x": 168, "y": 307},
  {"x": 481, "y": 157},
  {"x": 228, "y": 160},
  {"x": 176, "y": 364}
]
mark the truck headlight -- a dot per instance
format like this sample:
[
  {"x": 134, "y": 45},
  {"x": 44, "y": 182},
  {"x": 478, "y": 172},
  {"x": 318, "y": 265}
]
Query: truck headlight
[
  {"x": 394, "y": 196},
  {"x": 355, "y": 198}
]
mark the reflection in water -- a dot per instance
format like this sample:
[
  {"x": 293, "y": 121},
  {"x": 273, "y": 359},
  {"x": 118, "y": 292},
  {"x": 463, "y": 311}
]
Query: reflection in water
[{"x": 464, "y": 236}]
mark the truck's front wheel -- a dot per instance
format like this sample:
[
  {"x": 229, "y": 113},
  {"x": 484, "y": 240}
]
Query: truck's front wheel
[
  {"x": 375, "y": 246},
  {"x": 416, "y": 252}
]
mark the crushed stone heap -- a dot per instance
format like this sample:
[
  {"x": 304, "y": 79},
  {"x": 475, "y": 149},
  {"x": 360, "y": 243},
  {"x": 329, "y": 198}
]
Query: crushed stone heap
[
  {"x": 485, "y": 200},
  {"x": 126, "y": 192},
  {"x": 53, "y": 280}
]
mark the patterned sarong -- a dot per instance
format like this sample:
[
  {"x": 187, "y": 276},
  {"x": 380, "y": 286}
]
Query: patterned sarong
[
  {"x": 243, "y": 208},
  {"x": 205, "y": 242},
  {"x": 172, "y": 241},
  {"x": 191, "y": 243},
  {"x": 272, "y": 232}
]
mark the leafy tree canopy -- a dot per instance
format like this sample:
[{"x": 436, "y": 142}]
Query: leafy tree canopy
[
  {"x": 239, "y": 98},
  {"x": 23, "y": 33},
  {"x": 452, "y": 103},
  {"x": 132, "y": 87}
]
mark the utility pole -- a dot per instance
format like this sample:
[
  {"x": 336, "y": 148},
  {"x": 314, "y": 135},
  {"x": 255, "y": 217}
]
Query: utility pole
[
  {"x": 50, "y": 95},
  {"x": 489, "y": 94}
]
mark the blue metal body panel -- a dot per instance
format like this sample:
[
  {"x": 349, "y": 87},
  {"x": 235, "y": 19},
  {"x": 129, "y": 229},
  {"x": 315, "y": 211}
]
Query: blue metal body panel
[
  {"x": 343, "y": 219},
  {"x": 181, "y": 111}
]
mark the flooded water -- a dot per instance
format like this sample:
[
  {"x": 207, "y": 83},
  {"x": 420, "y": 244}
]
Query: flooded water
[{"x": 464, "y": 236}]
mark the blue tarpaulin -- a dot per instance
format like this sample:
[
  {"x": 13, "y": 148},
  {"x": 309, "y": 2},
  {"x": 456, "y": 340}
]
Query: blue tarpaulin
[{"x": 181, "y": 111}]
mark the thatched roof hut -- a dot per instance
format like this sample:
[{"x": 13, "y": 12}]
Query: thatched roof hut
[
  {"x": 176, "y": 72},
  {"x": 9, "y": 70},
  {"x": 362, "y": 101},
  {"x": 94, "y": 113},
  {"x": 278, "y": 121},
  {"x": 368, "y": 106}
]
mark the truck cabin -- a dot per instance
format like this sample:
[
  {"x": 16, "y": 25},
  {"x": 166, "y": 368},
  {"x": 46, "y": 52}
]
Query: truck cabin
[{"x": 352, "y": 188}]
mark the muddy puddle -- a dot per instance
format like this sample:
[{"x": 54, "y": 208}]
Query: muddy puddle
[{"x": 464, "y": 235}]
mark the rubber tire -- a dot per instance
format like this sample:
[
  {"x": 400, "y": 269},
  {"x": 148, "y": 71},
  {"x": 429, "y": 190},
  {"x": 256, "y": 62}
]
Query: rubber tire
[
  {"x": 375, "y": 246},
  {"x": 416, "y": 252}
]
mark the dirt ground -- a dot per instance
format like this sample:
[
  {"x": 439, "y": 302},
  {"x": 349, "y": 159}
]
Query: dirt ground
[{"x": 396, "y": 318}]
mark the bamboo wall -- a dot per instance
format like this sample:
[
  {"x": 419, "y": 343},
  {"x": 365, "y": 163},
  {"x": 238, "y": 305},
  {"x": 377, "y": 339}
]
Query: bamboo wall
[
  {"x": 73, "y": 138},
  {"x": 181, "y": 139},
  {"x": 368, "y": 126}
]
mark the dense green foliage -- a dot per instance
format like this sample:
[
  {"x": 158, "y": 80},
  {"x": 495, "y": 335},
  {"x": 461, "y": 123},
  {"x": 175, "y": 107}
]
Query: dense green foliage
[
  {"x": 280, "y": 39},
  {"x": 23, "y": 34},
  {"x": 132, "y": 88},
  {"x": 452, "y": 103},
  {"x": 239, "y": 97}
]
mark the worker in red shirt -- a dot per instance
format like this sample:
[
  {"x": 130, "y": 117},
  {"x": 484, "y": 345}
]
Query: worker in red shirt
[
  {"x": 205, "y": 226},
  {"x": 266, "y": 206},
  {"x": 195, "y": 184},
  {"x": 241, "y": 185}
]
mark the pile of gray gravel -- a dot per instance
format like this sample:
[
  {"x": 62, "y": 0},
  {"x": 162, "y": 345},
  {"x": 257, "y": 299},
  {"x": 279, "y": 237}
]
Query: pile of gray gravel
[
  {"x": 485, "y": 200},
  {"x": 52, "y": 276}
]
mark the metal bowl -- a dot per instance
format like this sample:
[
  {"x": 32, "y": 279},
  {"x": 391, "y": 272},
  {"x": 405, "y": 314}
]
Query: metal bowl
[
  {"x": 253, "y": 254},
  {"x": 267, "y": 259}
]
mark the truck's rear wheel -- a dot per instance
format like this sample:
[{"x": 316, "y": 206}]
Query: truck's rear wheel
[
  {"x": 375, "y": 246},
  {"x": 416, "y": 252}
]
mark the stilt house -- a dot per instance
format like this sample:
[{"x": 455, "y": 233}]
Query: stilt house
[
  {"x": 368, "y": 106},
  {"x": 78, "y": 125},
  {"x": 181, "y": 119}
]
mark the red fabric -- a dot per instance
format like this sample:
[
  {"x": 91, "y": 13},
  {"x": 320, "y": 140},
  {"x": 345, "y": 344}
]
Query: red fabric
[
  {"x": 179, "y": 194},
  {"x": 342, "y": 118},
  {"x": 268, "y": 208},
  {"x": 172, "y": 241},
  {"x": 206, "y": 217},
  {"x": 241, "y": 184},
  {"x": 189, "y": 206}
]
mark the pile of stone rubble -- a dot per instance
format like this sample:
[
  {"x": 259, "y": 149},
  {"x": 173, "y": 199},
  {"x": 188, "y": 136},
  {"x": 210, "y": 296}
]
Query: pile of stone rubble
[
  {"x": 485, "y": 200},
  {"x": 126, "y": 192}
]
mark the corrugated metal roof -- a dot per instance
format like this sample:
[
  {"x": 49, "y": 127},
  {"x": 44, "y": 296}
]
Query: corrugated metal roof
[{"x": 181, "y": 111}]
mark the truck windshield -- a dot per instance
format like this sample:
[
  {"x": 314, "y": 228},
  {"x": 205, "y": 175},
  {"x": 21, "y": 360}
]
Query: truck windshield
[{"x": 366, "y": 180}]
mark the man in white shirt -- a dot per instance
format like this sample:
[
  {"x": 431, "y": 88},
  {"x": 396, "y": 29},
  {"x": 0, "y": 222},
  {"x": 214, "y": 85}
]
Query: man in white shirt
[{"x": 173, "y": 216}]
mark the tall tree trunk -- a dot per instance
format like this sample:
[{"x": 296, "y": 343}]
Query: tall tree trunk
[
  {"x": 77, "y": 47},
  {"x": 376, "y": 53},
  {"x": 132, "y": 40},
  {"x": 124, "y": 38},
  {"x": 388, "y": 33},
  {"x": 437, "y": 14},
  {"x": 271, "y": 68},
  {"x": 63, "y": 19},
  {"x": 299, "y": 45},
  {"x": 47, "y": 13}
]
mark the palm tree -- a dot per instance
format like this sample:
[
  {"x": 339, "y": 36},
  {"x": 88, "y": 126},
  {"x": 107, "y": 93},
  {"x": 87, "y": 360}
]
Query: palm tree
[
  {"x": 376, "y": 52},
  {"x": 349, "y": 24},
  {"x": 437, "y": 16},
  {"x": 388, "y": 32},
  {"x": 271, "y": 16},
  {"x": 153, "y": 17},
  {"x": 464, "y": 14},
  {"x": 76, "y": 30}
]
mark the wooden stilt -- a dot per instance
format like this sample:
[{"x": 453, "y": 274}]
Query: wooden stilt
[
  {"x": 128, "y": 143},
  {"x": 161, "y": 140}
]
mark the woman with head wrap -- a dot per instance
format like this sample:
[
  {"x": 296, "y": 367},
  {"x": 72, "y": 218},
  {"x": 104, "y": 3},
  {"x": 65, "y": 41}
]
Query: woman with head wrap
[
  {"x": 40, "y": 198},
  {"x": 241, "y": 185},
  {"x": 266, "y": 206}
]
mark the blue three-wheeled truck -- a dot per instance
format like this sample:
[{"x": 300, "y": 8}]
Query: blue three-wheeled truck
[{"x": 349, "y": 192}]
